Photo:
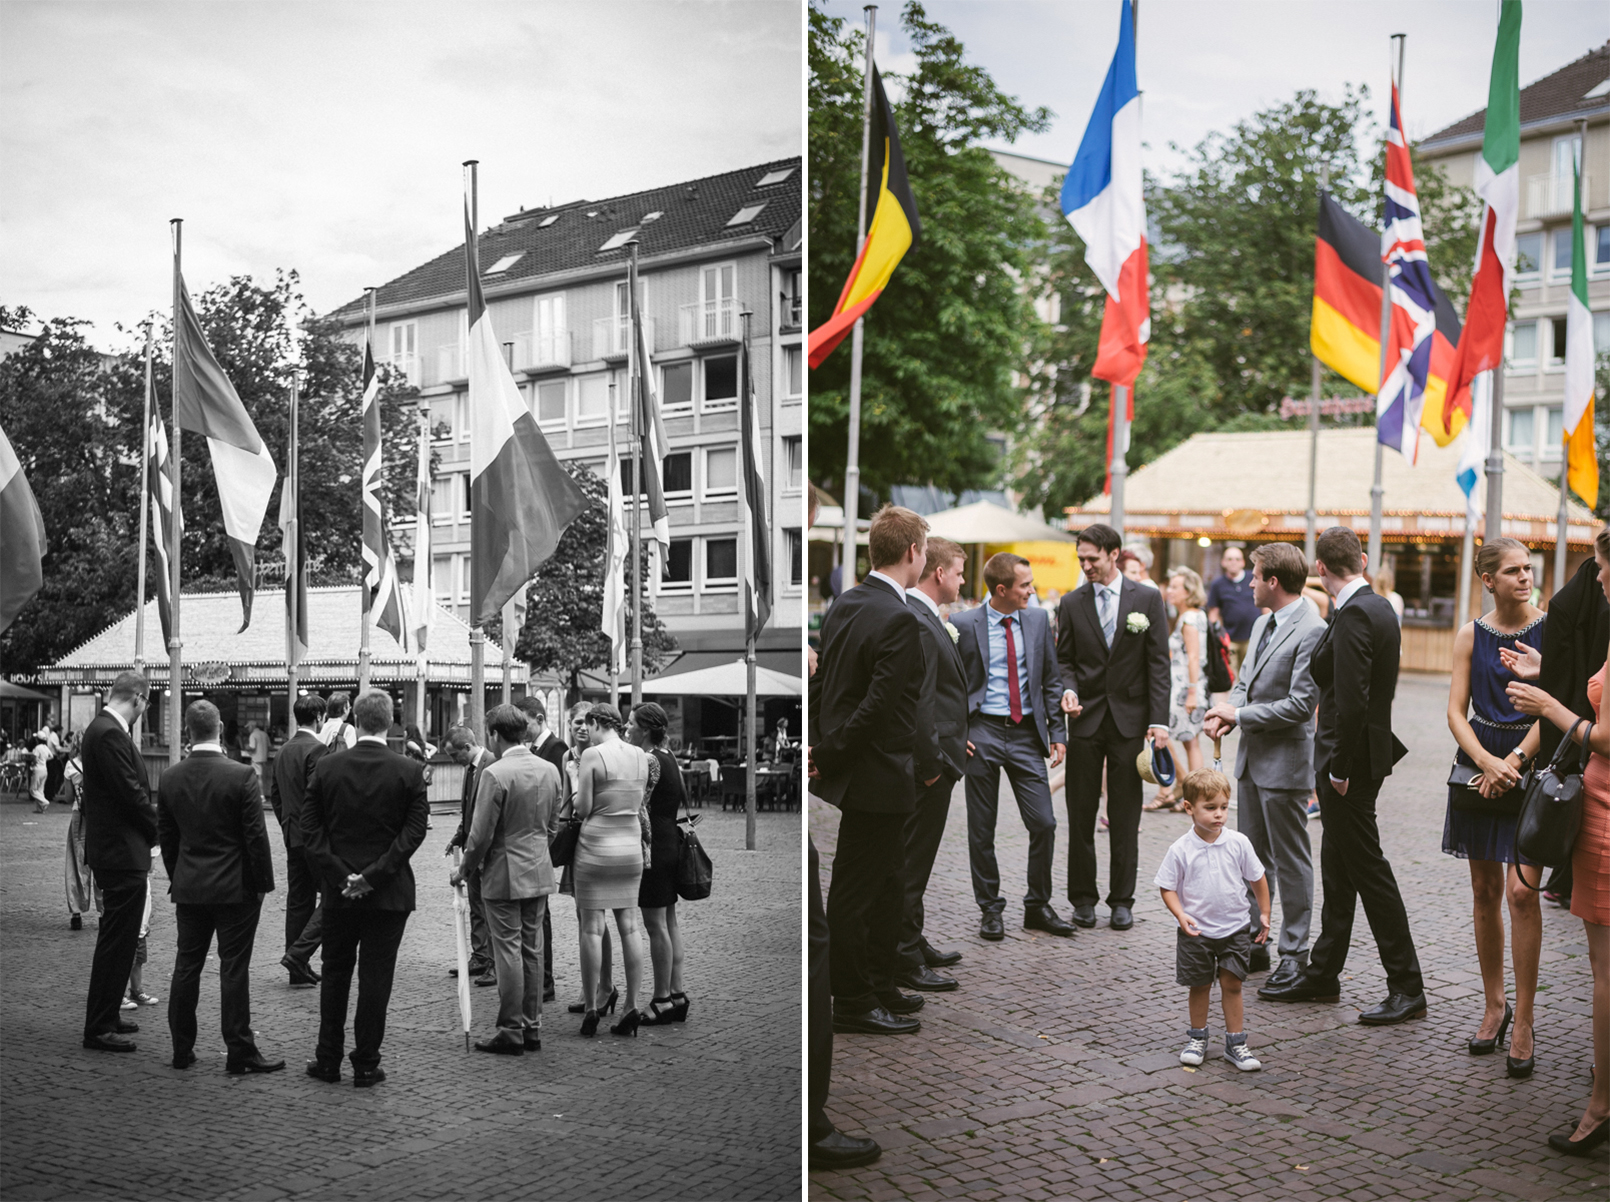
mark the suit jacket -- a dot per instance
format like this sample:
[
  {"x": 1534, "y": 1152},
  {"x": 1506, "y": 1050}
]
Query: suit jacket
[
  {"x": 210, "y": 824},
  {"x": 287, "y": 784},
  {"x": 1574, "y": 641},
  {"x": 1130, "y": 679},
  {"x": 516, "y": 812},
  {"x": 863, "y": 702},
  {"x": 466, "y": 802},
  {"x": 120, "y": 823},
  {"x": 1355, "y": 665},
  {"x": 1275, "y": 696},
  {"x": 365, "y": 812},
  {"x": 1042, "y": 690},
  {"x": 554, "y": 750},
  {"x": 942, "y": 708}
]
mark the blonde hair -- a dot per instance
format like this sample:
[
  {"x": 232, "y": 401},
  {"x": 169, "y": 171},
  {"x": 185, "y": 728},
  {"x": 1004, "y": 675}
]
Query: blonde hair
[
  {"x": 1195, "y": 594},
  {"x": 1205, "y": 784}
]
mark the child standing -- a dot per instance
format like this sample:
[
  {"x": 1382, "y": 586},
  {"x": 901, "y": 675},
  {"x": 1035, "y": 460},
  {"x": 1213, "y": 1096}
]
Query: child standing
[{"x": 1204, "y": 878}]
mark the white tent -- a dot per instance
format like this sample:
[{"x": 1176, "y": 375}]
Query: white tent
[
  {"x": 986, "y": 522},
  {"x": 726, "y": 680}
]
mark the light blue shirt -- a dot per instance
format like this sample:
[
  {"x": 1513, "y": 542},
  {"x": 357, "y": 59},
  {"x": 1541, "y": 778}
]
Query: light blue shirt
[{"x": 996, "y": 698}]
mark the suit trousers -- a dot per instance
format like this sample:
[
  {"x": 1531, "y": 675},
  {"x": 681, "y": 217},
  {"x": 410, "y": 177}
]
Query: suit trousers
[
  {"x": 547, "y": 950},
  {"x": 236, "y": 927},
  {"x": 924, "y": 831},
  {"x": 1276, "y": 821},
  {"x": 819, "y": 1005},
  {"x": 1352, "y": 866},
  {"x": 480, "y": 944},
  {"x": 304, "y": 915},
  {"x": 1086, "y": 758},
  {"x": 997, "y": 745},
  {"x": 515, "y": 928},
  {"x": 377, "y": 934},
  {"x": 863, "y": 906},
  {"x": 123, "y": 904}
]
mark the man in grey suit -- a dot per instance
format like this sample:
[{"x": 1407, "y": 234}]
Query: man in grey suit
[
  {"x": 1014, "y": 721},
  {"x": 1273, "y": 703},
  {"x": 516, "y": 804}
]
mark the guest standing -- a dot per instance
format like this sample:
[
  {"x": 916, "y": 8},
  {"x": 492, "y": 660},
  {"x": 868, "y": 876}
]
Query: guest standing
[
  {"x": 1231, "y": 604},
  {"x": 466, "y": 750},
  {"x": 338, "y": 726},
  {"x": 39, "y": 776},
  {"x": 1187, "y": 671},
  {"x": 120, "y": 829},
  {"x": 656, "y": 897},
  {"x": 1497, "y": 739},
  {"x": 304, "y": 916},
  {"x": 607, "y": 995},
  {"x": 545, "y": 745},
  {"x": 80, "y": 881}
]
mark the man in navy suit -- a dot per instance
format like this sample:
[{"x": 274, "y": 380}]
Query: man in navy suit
[
  {"x": 304, "y": 918},
  {"x": 1015, "y": 721}
]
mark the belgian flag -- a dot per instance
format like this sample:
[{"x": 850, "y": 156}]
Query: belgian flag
[
  {"x": 892, "y": 230},
  {"x": 1345, "y": 329}
]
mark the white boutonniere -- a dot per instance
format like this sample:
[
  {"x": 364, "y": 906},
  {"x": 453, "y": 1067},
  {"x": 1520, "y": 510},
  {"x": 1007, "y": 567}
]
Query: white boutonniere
[
  {"x": 1137, "y": 624},
  {"x": 955, "y": 635}
]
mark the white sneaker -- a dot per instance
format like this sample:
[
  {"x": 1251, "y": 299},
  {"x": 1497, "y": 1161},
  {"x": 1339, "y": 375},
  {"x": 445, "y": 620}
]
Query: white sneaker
[
  {"x": 1238, "y": 1054},
  {"x": 1195, "y": 1049},
  {"x": 128, "y": 1003}
]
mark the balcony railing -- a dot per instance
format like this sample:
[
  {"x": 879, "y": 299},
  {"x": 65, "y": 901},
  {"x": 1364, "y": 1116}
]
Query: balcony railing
[
  {"x": 1549, "y": 194},
  {"x": 532, "y": 351},
  {"x": 449, "y": 366},
  {"x": 612, "y": 336},
  {"x": 710, "y": 322}
]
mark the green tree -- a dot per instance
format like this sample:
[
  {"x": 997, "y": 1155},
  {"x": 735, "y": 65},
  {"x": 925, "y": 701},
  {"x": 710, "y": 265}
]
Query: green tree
[{"x": 942, "y": 342}]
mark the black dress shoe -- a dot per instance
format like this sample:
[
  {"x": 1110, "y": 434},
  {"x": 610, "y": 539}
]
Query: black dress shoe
[
  {"x": 1259, "y": 960},
  {"x": 324, "y": 1072},
  {"x": 533, "y": 1042},
  {"x": 896, "y": 1002},
  {"x": 926, "y": 980},
  {"x": 1123, "y": 918},
  {"x": 1084, "y": 916},
  {"x": 363, "y": 1080},
  {"x": 253, "y": 1064},
  {"x": 1581, "y": 1147},
  {"x": 835, "y": 1150},
  {"x": 487, "y": 978},
  {"x": 76, "y": 923},
  {"x": 989, "y": 927},
  {"x": 1289, "y": 970},
  {"x": 548, "y": 994},
  {"x": 301, "y": 974},
  {"x": 876, "y": 1021},
  {"x": 1302, "y": 988},
  {"x": 108, "y": 1043},
  {"x": 935, "y": 958},
  {"x": 1044, "y": 918},
  {"x": 1398, "y": 1007},
  {"x": 183, "y": 1060},
  {"x": 499, "y": 1045},
  {"x": 124, "y": 1027}
]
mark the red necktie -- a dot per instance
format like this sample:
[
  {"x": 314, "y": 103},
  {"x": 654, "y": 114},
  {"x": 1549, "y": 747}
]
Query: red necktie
[{"x": 1013, "y": 697}]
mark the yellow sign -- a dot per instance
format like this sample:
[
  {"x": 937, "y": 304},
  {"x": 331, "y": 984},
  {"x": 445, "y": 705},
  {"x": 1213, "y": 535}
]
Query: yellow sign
[{"x": 1056, "y": 565}]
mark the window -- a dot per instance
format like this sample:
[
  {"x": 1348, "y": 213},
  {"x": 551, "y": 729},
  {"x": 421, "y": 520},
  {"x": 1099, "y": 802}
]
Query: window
[
  {"x": 720, "y": 561},
  {"x": 654, "y": 216},
  {"x": 745, "y": 215},
  {"x": 550, "y": 339},
  {"x": 503, "y": 264},
  {"x": 592, "y": 398},
  {"x": 464, "y": 477},
  {"x": 795, "y": 567},
  {"x": 1523, "y": 343},
  {"x": 721, "y": 382},
  {"x": 721, "y": 472},
  {"x": 793, "y": 298},
  {"x": 1557, "y": 347},
  {"x": 774, "y": 177},
  {"x": 551, "y": 401},
  {"x": 404, "y": 351},
  {"x": 443, "y": 490},
  {"x": 717, "y": 315},
  {"x": 1601, "y": 332},
  {"x": 1601, "y": 256},
  {"x": 1565, "y": 157},
  {"x": 444, "y": 418},
  {"x": 547, "y": 221},
  {"x": 1528, "y": 253},
  {"x": 1562, "y": 252},
  {"x": 1520, "y": 429},
  {"x": 1554, "y": 431},
  {"x": 444, "y": 579},
  {"x": 676, "y": 388},
  {"x": 619, "y": 240},
  {"x": 792, "y": 460},
  {"x": 677, "y": 480},
  {"x": 678, "y": 566},
  {"x": 793, "y": 373}
]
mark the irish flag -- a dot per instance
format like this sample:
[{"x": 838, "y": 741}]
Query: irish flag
[
  {"x": 22, "y": 537},
  {"x": 1581, "y": 454}
]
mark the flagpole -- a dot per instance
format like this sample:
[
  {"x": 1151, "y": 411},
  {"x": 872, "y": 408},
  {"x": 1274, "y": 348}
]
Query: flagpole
[
  {"x": 293, "y": 559},
  {"x": 477, "y": 708},
  {"x": 1118, "y": 465},
  {"x": 509, "y": 632},
  {"x": 1563, "y": 528},
  {"x": 144, "y": 507},
  {"x": 1377, "y": 490},
  {"x": 425, "y": 566},
  {"x": 1311, "y": 533},
  {"x": 634, "y": 386},
  {"x": 747, "y": 546},
  {"x": 175, "y": 645},
  {"x": 852, "y": 461}
]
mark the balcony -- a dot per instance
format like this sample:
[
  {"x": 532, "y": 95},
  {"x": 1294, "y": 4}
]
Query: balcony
[
  {"x": 612, "y": 337},
  {"x": 710, "y": 323},
  {"x": 449, "y": 366},
  {"x": 1549, "y": 195},
  {"x": 537, "y": 352}
]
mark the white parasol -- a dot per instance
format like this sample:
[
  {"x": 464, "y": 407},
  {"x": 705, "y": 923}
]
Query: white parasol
[{"x": 461, "y": 928}]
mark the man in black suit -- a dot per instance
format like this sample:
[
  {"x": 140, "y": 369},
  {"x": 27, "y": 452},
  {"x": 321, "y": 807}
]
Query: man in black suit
[
  {"x": 120, "y": 829},
  {"x": 1014, "y": 722},
  {"x": 465, "y": 749},
  {"x": 304, "y": 917},
  {"x": 941, "y": 759},
  {"x": 1356, "y": 667},
  {"x": 215, "y": 848},
  {"x": 863, "y": 712},
  {"x": 362, "y": 820},
  {"x": 1112, "y": 642},
  {"x": 546, "y": 745}
]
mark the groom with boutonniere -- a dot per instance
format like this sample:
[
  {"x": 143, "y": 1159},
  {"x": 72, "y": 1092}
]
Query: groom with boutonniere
[{"x": 1112, "y": 644}]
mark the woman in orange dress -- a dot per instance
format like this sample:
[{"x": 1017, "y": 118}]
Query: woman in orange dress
[{"x": 1590, "y": 868}]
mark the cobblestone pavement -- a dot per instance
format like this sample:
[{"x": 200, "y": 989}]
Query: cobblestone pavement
[
  {"x": 707, "y": 1109},
  {"x": 1053, "y": 1072}
]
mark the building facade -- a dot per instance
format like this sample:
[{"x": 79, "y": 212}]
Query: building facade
[
  {"x": 709, "y": 251},
  {"x": 1551, "y": 140}
]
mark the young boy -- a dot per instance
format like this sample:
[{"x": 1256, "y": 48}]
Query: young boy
[{"x": 1204, "y": 878}]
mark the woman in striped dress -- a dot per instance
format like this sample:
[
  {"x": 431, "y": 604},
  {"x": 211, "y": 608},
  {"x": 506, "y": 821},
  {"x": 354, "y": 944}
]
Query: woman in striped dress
[{"x": 610, "y": 854}]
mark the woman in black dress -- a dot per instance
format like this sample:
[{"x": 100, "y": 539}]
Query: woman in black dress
[{"x": 656, "y": 896}]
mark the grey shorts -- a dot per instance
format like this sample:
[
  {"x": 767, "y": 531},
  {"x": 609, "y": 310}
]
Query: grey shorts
[{"x": 1198, "y": 960}]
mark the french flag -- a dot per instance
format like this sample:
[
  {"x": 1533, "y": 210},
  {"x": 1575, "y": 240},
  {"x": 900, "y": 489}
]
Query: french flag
[{"x": 1104, "y": 200}]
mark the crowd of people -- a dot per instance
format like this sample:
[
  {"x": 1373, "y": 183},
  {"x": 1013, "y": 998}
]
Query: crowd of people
[
  {"x": 352, "y": 813},
  {"x": 910, "y": 694}
]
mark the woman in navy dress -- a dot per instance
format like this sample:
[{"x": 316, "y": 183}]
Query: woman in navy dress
[{"x": 1493, "y": 738}]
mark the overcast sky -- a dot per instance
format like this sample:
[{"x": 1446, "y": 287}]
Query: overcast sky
[
  {"x": 328, "y": 136},
  {"x": 1204, "y": 64}
]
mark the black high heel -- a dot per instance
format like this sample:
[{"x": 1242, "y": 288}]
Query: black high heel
[
  {"x": 628, "y": 1023},
  {"x": 657, "y": 1017},
  {"x": 609, "y": 1003},
  {"x": 589, "y": 1025},
  {"x": 1485, "y": 1047},
  {"x": 679, "y": 1009},
  {"x": 1521, "y": 1069},
  {"x": 1581, "y": 1147}
]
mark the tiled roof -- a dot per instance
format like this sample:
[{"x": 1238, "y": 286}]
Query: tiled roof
[
  {"x": 568, "y": 237},
  {"x": 1558, "y": 95},
  {"x": 209, "y": 621}
]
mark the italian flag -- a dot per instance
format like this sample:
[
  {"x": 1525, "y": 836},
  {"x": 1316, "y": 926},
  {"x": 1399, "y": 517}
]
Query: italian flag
[
  {"x": 1498, "y": 182},
  {"x": 1581, "y": 454},
  {"x": 22, "y": 537}
]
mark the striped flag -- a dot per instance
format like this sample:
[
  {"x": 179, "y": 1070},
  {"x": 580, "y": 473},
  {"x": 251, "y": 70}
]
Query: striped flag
[
  {"x": 757, "y": 530},
  {"x": 385, "y": 596},
  {"x": 1581, "y": 453},
  {"x": 521, "y": 500},
  {"x": 159, "y": 484},
  {"x": 1413, "y": 317},
  {"x": 1473, "y": 454},
  {"x": 295, "y": 548},
  {"x": 424, "y": 597},
  {"x": 617, "y": 541},
  {"x": 205, "y": 402},
  {"x": 654, "y": 440},
  {"x": 22, "y": 537}
]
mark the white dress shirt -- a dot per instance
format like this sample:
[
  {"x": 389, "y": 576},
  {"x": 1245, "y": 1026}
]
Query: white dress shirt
[
  {"x": 1277, "y": 618},
  {"x": 926, "y": 600}
]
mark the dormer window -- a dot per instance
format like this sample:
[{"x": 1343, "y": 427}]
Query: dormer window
[
  {"x": 745, "y": 215},
  {"x": 774, "y": 177},
  {"x": 619, "y": 240}
]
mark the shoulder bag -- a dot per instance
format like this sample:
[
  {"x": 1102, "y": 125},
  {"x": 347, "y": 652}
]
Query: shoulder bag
[
  {"x": 562, "y": 847},
  {"x": 693, "y": 867},
  {"x": 1463, "y": 779},
  {"x": 1551, "y": 814}
]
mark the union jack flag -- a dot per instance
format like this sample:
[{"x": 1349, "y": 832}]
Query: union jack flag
[{"x": 1414, "y": 316}]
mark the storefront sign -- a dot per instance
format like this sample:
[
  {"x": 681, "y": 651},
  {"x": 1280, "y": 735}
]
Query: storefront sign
[{"x": 209, "y": 674}]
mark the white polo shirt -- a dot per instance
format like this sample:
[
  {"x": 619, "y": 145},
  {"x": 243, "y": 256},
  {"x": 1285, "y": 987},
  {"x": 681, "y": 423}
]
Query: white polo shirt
[{"x": 1211, "y": 879}]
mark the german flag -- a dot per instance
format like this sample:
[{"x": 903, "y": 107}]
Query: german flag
[
  {"x": 1345, "y": 329},
  {"x": 892, "y": 230}
]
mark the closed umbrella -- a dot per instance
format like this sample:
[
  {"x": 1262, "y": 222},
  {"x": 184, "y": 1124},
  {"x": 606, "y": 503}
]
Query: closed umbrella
[{"x": 461, "y": 928}]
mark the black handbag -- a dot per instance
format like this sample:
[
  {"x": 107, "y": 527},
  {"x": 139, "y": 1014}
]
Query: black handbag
[
  {"x": 1463, "y": 779},
  {"x": 562, "y": 847},
  {"x": 1551, "y": 815},
  {"x": 693, "y": 867}
]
